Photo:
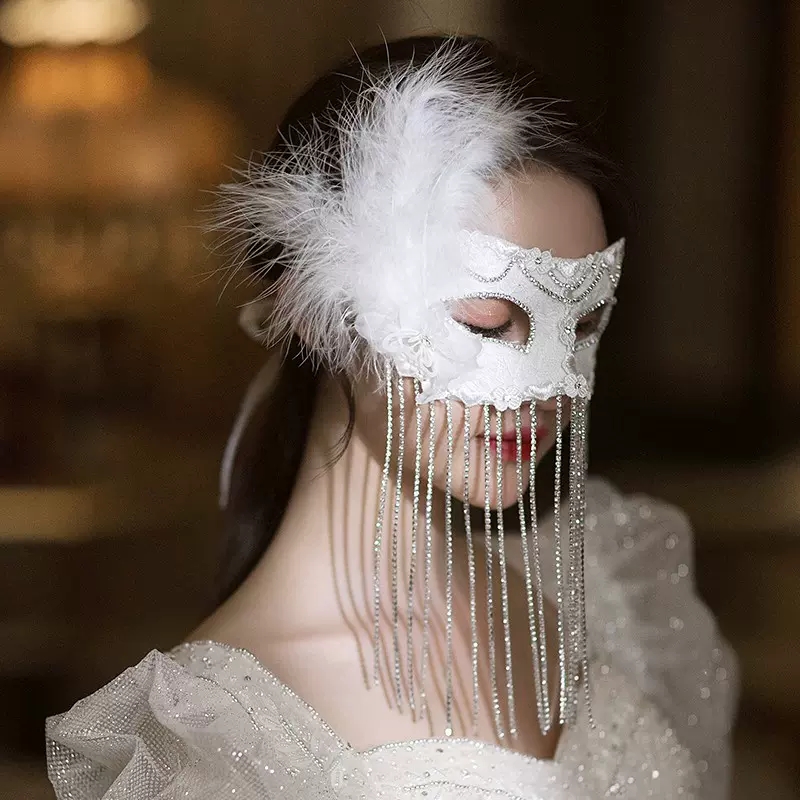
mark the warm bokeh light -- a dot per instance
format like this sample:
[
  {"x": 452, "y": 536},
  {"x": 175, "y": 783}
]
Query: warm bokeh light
[
  {"x": 24, "y": 23},
  {"x": 49, "y": 81}
]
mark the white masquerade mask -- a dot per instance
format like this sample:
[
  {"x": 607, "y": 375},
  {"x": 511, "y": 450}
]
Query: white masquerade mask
[
  {"x": 376, "y": 256},
  {"x": 453, "y": 362}
]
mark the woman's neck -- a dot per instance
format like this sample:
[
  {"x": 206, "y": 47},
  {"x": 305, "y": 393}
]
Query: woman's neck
[
  {"x": 318, "y": 573},
  {"x": 306, "y": 610}
]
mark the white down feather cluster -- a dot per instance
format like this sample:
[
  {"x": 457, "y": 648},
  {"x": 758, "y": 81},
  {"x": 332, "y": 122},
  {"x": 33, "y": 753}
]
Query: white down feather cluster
[{"x": 368, "y": 250}]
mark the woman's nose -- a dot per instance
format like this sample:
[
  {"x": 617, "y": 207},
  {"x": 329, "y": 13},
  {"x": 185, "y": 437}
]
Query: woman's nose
[{"x": 547, "y": 405}]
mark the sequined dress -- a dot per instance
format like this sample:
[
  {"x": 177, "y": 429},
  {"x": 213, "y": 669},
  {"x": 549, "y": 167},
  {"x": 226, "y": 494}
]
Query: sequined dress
[{"x": 207, "y": 721}]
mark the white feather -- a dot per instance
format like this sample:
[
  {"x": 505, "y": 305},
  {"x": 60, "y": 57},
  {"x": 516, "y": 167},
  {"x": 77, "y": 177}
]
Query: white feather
[{"x": 421, "y": 146}]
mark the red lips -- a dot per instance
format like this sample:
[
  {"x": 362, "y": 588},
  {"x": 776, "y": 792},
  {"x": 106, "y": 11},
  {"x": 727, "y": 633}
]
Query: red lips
[{"x": 508, "y": 443}]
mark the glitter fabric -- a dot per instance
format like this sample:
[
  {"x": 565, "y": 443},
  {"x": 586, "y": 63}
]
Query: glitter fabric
[{"x": 208, "y": 721}]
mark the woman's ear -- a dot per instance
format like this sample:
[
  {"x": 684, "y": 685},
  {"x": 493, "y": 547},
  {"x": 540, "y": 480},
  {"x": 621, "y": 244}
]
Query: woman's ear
[{"x": 254, "y": 318}]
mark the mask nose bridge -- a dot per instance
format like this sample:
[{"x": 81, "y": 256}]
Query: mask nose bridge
[{"x": 547, "y": 405}]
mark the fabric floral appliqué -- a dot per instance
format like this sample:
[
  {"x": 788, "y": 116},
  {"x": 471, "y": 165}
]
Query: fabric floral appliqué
[
  {"x": 576, "y": 385},
  {"x": 433, "y": 347}
]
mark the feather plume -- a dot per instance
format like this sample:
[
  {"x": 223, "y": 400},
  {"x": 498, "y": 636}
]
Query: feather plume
[{"x": 365, "y": 205}]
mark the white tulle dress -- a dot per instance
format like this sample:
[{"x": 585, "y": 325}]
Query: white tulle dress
[{"x": 207, "y": 721}]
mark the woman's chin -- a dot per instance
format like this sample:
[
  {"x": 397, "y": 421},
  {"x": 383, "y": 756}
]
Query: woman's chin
[
  {"x": 512, "y": 501},
  {"x": 509, "y": 499}
]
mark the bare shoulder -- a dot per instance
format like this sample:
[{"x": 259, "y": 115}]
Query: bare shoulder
[
  {"x": 326, "y": 671},
  {"x": 335, "y": 678}
]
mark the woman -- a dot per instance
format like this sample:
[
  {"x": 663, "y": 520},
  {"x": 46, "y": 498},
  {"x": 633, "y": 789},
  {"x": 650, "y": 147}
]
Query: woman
[{"x": 433, "y": 237}]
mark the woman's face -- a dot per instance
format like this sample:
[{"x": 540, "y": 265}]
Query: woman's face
[{"x": 541, "y": 208}]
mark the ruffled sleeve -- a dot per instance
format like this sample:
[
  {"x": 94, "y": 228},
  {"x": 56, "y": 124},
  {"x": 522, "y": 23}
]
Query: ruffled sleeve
[
  {"x": 646, "y": 619},
  {"x": 160, "y": 732}
]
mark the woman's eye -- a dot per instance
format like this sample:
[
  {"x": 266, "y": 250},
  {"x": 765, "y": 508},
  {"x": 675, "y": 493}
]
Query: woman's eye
[
  {"x": 497, "y": 332},
  {"x": 589, "y": 324},
  {"x": 492, "y": 318}
]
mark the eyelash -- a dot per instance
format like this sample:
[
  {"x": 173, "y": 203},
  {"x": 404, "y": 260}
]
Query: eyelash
[
  {"x": 489, "y": 333},
  {"x": 585, "y": 327}
]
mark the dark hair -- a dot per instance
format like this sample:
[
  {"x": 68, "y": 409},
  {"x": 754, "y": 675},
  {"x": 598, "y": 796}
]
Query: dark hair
[{"x": 259, "y": 492}]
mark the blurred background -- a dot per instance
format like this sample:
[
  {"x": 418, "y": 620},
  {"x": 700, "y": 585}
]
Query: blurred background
[{"x": 121, "y": 364}]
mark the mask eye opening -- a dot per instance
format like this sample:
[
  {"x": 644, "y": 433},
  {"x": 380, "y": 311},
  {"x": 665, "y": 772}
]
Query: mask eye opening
[
  {"x": 591, "y": 324},
  {"x": 494, "y": 317}
]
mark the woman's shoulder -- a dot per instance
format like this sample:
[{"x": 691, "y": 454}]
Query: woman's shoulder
[
  {"x": 624, "y": 528},
  {"x": 197, "y": 685},
  {"x": 194, "y": 720},
  {"x": 646, "y": 618}
]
